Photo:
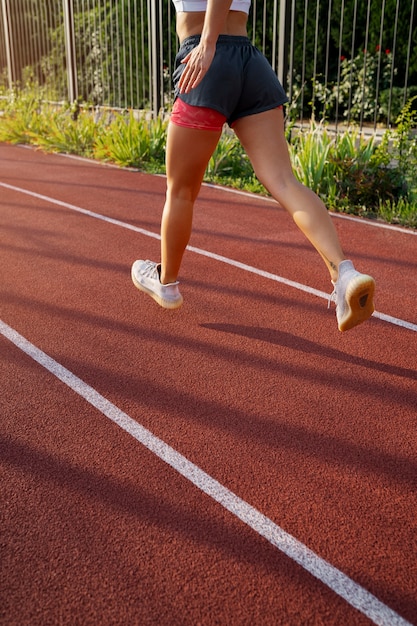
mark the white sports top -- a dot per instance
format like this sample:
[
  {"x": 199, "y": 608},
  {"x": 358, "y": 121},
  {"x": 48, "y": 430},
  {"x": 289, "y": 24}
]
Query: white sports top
[{"x": 201, "y": 5}]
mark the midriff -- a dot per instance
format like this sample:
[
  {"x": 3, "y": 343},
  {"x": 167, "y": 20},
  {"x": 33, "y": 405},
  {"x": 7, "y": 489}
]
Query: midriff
[{"x": 192, "y": 24}]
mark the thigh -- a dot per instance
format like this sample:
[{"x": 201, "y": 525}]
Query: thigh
[
  {"x": 188, "y": 152},
  {"x": 263, "y": 138}
]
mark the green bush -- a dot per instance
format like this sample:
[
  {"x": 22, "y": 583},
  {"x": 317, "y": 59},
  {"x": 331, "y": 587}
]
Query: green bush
[
  {"x": 132, "y": 141},
  {"x": 361, "y": 176}
]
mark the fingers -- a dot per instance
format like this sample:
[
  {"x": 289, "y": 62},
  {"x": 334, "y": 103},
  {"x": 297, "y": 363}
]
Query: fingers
[
  {"x": 196, "y": 65},
  {"x": 190, "y": 78}
]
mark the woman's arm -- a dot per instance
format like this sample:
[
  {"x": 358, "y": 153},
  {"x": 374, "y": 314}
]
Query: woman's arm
[
  {"x": 215, "y": 19},
  {"x": 200, "y": 58}
]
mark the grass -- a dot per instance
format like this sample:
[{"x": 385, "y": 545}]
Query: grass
[{"x": 350, "y": 173}]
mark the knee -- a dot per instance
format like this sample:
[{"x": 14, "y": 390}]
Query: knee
[
  {"x": 281, "y": 185},
  {"x": 186, "y": 193}
]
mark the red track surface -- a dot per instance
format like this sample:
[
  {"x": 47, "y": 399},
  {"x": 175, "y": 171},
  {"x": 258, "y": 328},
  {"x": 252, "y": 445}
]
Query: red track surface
[{"x": 251, "y": 381}]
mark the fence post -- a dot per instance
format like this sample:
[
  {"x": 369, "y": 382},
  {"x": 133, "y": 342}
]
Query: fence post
[
  {"x": 283, "y": 41},
  {"x": 8, "y": 42},
  {"x": 155, "y": 58},
  {"x": 70, "y": 50}
]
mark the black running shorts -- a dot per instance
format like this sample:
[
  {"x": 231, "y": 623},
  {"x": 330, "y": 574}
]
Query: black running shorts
[{"x": 239, "y": 82}]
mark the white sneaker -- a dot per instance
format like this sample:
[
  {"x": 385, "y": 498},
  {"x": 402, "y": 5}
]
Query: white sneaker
[
  {"x": 145, "y": 276},
  {"x": 353, "y": 294}
]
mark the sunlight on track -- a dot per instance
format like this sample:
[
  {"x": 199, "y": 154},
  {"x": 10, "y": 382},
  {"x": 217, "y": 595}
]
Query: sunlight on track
[
  {"x": 247, "y": 268},
  {"x": 337, "y": 581}
]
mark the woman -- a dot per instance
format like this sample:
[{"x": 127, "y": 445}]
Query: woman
[{"x": 221, "y": 77}]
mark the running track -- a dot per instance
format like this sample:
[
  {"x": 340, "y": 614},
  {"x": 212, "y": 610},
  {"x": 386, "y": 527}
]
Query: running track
[{"x": 238, "y": 461}]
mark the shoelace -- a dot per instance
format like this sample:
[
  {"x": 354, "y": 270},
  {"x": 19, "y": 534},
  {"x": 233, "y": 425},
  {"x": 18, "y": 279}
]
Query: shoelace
[{"x": 150, "y": 270}]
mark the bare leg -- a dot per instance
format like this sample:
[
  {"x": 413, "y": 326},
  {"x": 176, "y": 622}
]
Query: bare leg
[
  {"x": 262, "y": 135},
  {"x": 263, "y": 138},
  {"x": 187, "y": 153}
]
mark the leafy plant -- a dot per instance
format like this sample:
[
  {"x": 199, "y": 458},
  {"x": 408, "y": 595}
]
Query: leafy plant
[
  {"x": 131, "y": 141},
  {"x": 20, "y": 116},
  {"x": 309, "y": 154},
  {"x": 351, "y": 174},
  {"x": 401, "y": 212},
  {"x": 64, "y": 132},
  {"x": 404, "y": 141},
  {"x": 228, "y": 159}
]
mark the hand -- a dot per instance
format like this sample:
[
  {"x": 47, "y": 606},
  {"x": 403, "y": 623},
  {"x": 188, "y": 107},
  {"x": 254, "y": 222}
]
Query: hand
[{"x": 196, "y": 65}]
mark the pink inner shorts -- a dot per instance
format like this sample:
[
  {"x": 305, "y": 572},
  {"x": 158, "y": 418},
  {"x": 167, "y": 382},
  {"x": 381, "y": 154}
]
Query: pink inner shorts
[{"x": 200, "y": 118}]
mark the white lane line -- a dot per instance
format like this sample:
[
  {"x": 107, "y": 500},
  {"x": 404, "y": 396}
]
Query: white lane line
[
  {"x": 368, "y": 222},
  {"x": 247, "y": 268},
  {"x": 355, "y": 595},
  {"x": 342, "y": 216},
  {"x": 299, "y": 286}
]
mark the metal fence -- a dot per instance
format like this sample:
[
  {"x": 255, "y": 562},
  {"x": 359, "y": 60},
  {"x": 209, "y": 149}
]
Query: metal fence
[{"x": 339, "y": 60}]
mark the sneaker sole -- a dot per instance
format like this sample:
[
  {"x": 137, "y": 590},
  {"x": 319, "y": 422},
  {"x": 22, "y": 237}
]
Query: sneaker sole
[
  {"x": 165, "y": 304},
  {"x": 360, "y": 302}
]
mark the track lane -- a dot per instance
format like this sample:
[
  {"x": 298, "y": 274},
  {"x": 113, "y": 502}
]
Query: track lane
[
  {"x": 287, "y": 360},
  {"x": 261, "y": 235},
  {"x": 337, "y": 581}
]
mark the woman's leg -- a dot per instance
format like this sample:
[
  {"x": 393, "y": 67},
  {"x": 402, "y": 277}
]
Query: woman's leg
[
  {"x": 262, "y": 135},
  {"x": 188, "y": 152}
]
